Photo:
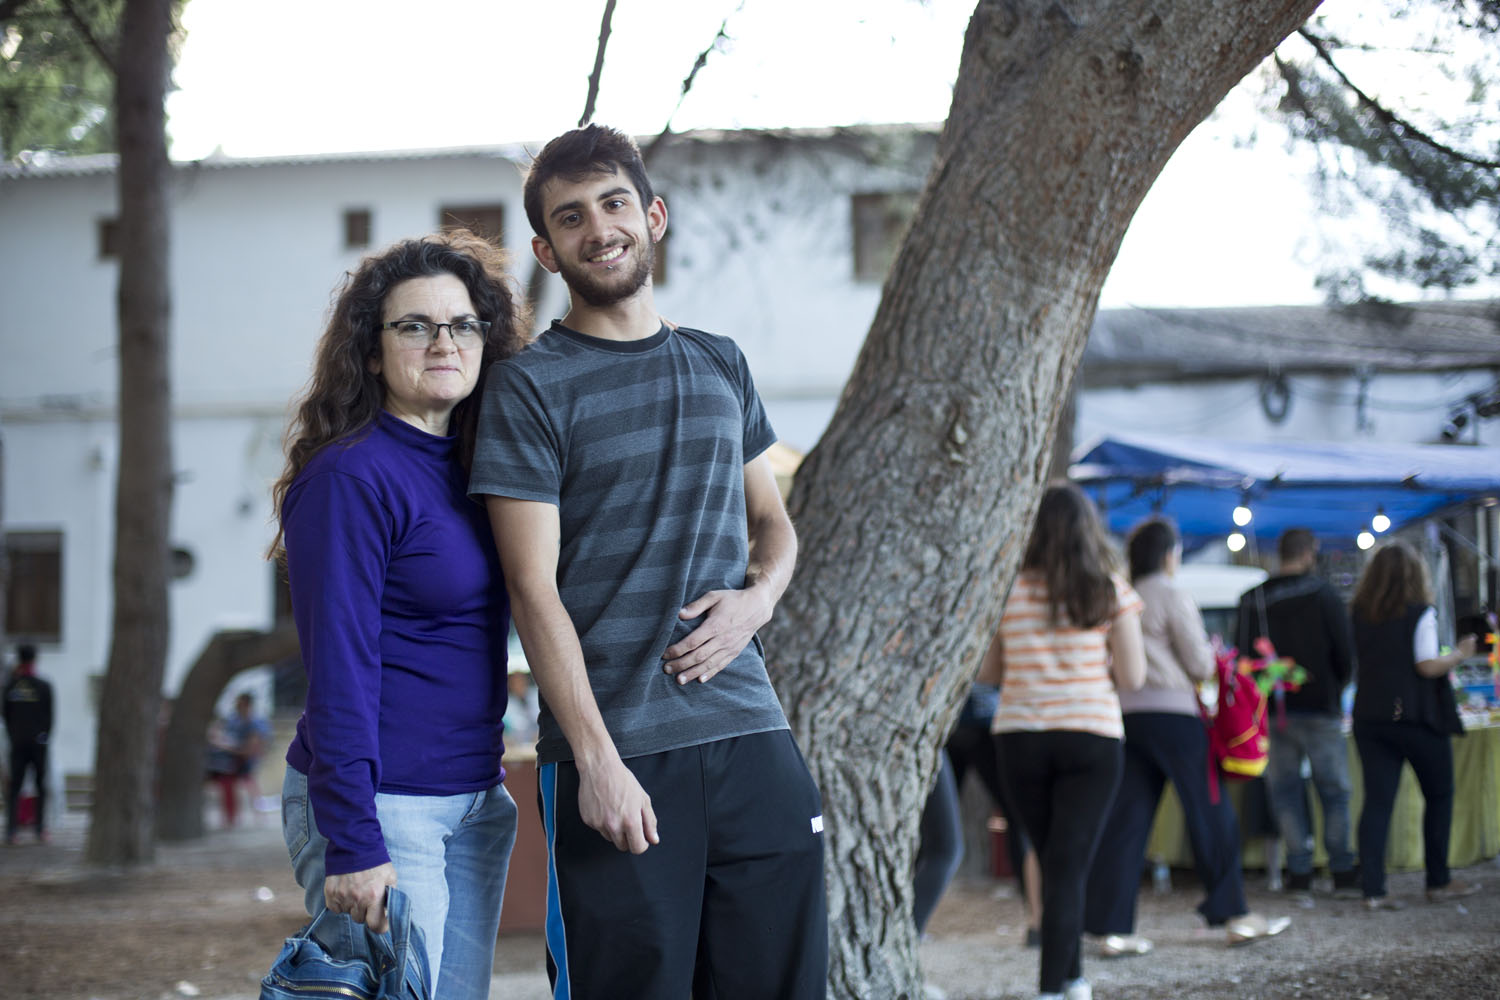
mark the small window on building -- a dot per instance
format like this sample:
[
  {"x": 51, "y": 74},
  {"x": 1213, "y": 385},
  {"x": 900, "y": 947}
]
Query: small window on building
[
  {"x": 109, "y": 238},
  {"x": 33, "y": 585},
  {"x": 356, "y": 228},
  {"x": 880, "y": 220},
  {"x": 484, "y": 221}
]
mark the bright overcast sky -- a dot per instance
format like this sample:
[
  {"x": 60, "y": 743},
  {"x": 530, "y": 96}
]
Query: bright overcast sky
[{"x": 1225, "y": 225}]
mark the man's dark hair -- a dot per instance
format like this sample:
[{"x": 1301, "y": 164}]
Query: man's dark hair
[
  {"x": 593, "y": 149},
  {"x": 1296, "y": 544},
  {"x": 26, "y": 652}
]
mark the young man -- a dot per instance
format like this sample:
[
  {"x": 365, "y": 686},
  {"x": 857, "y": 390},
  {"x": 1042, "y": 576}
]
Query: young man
[
  {"x": 644, "y": 542},
  {"x": 1306, "y": 621}
]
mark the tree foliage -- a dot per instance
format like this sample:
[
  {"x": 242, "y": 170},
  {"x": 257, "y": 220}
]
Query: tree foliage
[
  {"x": 1399, "y": 105},
  {"x": 56, "y": 89}
]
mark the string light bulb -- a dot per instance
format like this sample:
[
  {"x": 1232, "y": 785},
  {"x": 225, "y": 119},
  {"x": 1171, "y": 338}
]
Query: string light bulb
[
  {"x": 1235, "y": 541},
  {"x": 1380, "y": 522},
  {"x": 1242, "y": 514},
  {"x": 1364, "y": 539}
]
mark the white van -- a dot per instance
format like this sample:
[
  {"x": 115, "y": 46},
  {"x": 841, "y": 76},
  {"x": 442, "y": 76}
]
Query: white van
[{"x": 1216, "y": 587}]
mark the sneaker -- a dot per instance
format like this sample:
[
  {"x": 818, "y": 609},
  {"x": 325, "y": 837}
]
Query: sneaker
[
  {"x": 1453, "y": 890},
  {"x": 1298, "y": 882},
  {"x": 1383, "y": 903},
  {"x": 1123, "y": 945},
  {"x": 1346, "y": 885},
  {"x": 1254, "y": 927},
  {"x": 1078, "y": 989}
]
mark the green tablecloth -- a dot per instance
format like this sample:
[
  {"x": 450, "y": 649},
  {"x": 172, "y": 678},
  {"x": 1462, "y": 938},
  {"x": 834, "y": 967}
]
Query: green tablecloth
[{"x": 1476, "y": 812}]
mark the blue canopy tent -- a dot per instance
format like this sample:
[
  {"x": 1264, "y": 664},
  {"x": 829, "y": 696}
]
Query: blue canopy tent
[{"x": 1334, "y": 489}]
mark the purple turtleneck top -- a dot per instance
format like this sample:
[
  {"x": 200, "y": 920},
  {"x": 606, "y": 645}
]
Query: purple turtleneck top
[{"x": 403, "y": 617}]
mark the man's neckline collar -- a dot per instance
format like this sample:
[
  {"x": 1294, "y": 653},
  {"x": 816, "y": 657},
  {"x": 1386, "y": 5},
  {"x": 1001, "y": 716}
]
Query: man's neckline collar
[{"x": 613, "y": 346}]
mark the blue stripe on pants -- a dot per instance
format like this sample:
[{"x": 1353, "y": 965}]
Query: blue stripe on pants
[{"x": 557, "y": 940}]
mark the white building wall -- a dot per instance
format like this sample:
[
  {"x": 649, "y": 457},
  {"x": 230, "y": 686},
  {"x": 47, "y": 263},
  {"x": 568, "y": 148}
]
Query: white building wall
[
  {"x": 760, "y": 250},
  {"x": 1398, "y": 409},
  {"x": 59, "y": 477},
  {"x": 256, "y": 254}
]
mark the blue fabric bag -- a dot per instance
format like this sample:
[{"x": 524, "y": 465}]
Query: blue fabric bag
[{"x": 335, "y": 956}]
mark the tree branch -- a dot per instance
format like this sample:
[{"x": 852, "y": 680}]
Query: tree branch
[
  {"x": 1399, "y": 127},
  {"x": 536, "y": 283},
  {"x": 105, "y": 56},
  {"x": 588, "y": 104},
  {"x": 687, "y": 83}
]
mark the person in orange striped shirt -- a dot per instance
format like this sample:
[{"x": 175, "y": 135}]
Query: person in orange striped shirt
[{"x": 1069, "y": 637}]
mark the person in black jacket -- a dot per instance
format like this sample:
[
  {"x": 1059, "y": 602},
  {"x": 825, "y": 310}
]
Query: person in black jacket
[
  {"x": 1306, "y": 621},
  {"x": 1404, "y": 711},
  {"x": 28, "y": 722}
]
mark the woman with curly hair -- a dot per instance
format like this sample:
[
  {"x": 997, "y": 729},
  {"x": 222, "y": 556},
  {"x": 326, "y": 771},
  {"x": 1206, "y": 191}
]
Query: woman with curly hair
[
  {"x": 1069, "y": 637},
  {"x": 394, "y": 774}
]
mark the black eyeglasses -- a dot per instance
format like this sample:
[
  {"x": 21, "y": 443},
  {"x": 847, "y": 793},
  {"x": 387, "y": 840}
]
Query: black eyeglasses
[{"x": 421, "y": 333}]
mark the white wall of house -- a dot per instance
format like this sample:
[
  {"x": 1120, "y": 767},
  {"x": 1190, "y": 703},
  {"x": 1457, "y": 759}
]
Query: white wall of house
[
  {"x": 1399, "y": 408},
  {"x": 256, "y": 252},
  {"x": 760, "y": 248}
]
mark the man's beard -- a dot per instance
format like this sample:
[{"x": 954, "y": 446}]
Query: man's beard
[{"x": 604, "y": 290}]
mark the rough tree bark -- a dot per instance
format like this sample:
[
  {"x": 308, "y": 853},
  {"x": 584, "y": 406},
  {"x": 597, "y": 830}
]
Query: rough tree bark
[
  {"x": 180, "y": 809},
  {"x": 122, "y": 828},
  {"x": 913, "y": 508}
]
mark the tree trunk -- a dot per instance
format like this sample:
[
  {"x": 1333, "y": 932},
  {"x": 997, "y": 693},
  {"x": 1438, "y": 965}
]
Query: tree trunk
[
  {"x": 180, "y": 813},
  {"x": 121, "y": 832},
  {"x": 913, "y": 509}
]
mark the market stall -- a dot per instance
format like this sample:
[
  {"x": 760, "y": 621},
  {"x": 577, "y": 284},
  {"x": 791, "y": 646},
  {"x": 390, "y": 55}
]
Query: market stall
[
  {"x": 1476, "y": 812},
  {"x": 1334, "y": 489}
]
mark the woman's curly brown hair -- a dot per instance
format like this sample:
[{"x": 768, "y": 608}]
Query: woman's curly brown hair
[
  {"x": 344, "y": 396},
  {"x": 1394, "y": 579}
]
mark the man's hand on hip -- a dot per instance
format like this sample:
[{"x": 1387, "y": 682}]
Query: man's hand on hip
[{"x": 730, "y": 618}]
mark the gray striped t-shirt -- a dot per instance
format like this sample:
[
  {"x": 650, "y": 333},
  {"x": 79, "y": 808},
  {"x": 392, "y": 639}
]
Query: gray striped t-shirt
[{"x": 642, "y": 446}]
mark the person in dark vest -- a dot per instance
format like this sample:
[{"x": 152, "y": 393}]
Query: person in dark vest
[
  {"x": 1404, "y": 712},
  {"x": 28, "y": 722}
]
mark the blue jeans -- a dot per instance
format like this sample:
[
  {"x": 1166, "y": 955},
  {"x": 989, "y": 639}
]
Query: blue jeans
[
  {"x": 1320, "y": 738},
  {"x": 941, "y": 846},
  {"x": 451, "y": 853}
]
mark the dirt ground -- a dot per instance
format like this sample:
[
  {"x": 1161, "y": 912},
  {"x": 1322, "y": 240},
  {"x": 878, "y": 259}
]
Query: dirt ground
[{"x": 208, "y": 917}]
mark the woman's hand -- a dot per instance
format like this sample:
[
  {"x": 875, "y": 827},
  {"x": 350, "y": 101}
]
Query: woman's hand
[{"x": 361, "y": 895}]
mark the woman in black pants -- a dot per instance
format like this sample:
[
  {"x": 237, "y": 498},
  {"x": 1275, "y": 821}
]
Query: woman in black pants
[
  {"x": 1069, "y": 634},
  {"x": 1404, "y": 711},
  {"x": 1165, "y": 740}
]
